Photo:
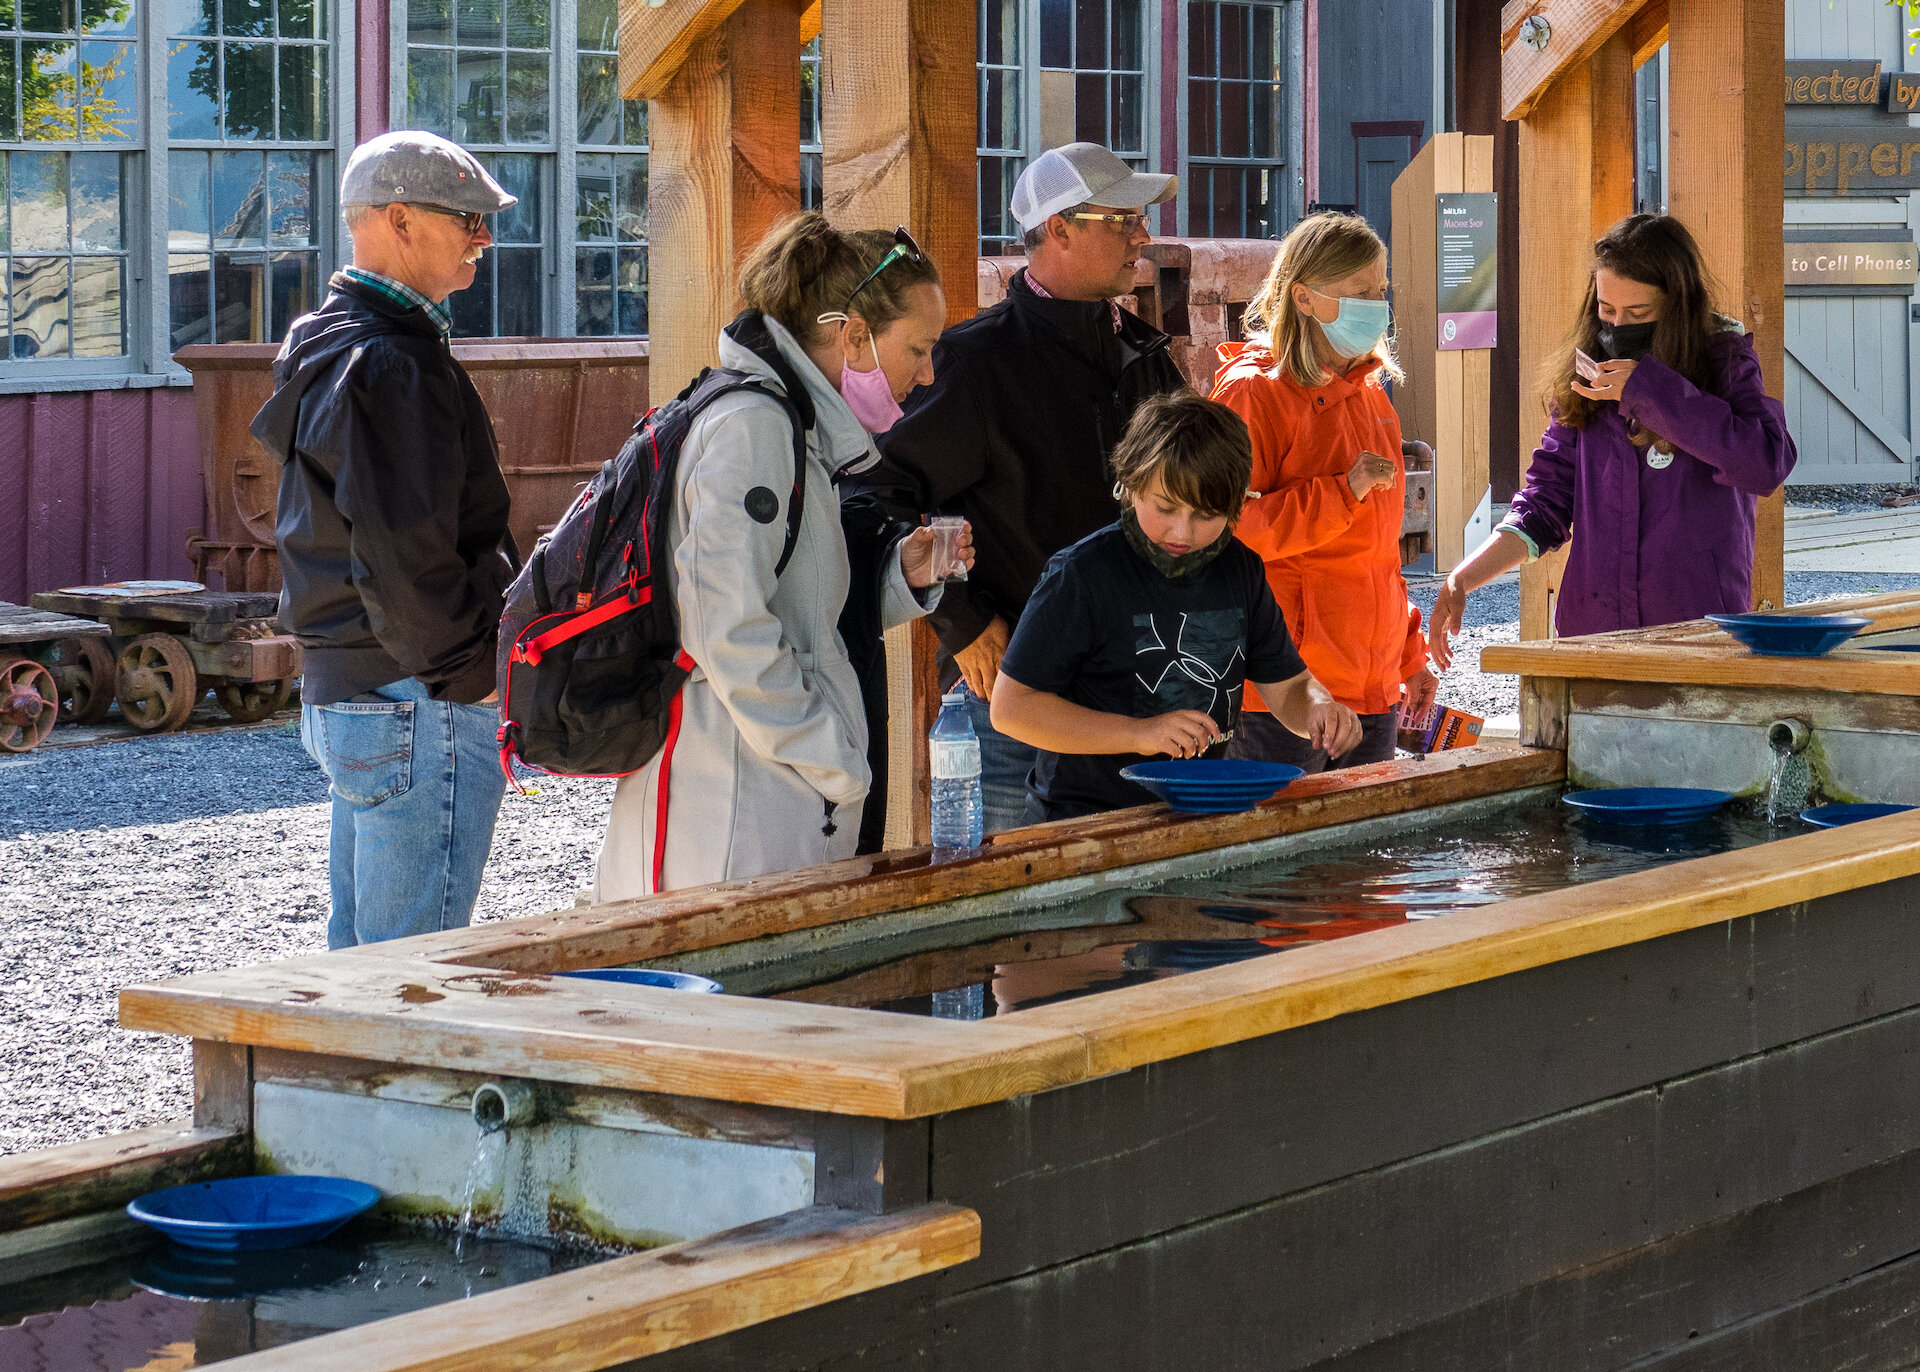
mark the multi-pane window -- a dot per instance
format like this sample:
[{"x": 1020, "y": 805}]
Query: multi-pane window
[
  {"x": 68, "y": 83},
  {"x": 812, "y": 193},
  {"x": 247, "y": 86},
  {"x": 1002, "y": 130},
  {"x": 610, "y": 186},
  {"x": 481, "y": 73},
  {"x": 1236, "y": 59},
  {"x": 63, "y": 249},
  {"x": 243, "y": 257},
  {"x": 1101, "y": 45}
]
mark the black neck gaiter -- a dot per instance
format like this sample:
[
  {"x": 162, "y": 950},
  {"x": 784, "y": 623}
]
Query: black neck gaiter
[{"x": 1164, "y": 562}]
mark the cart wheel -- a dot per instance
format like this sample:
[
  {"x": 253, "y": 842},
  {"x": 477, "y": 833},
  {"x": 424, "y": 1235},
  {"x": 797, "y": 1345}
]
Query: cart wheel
[
  {"x": 252, "y": 701},
  {"x": 157, "y": 686},
  {"x": 84, "y": 677},
  {"x": 29, "y": 703}
]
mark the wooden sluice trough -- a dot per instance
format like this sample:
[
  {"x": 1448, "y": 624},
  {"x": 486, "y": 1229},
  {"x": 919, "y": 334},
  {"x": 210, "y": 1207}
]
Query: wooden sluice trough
[{"x": 1668, "y": 1119}]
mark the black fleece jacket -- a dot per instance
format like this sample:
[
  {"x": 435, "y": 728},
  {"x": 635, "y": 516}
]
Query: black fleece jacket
[
  {"x": 1016, "y": 431},
  {"x": 392, "y": 522}
]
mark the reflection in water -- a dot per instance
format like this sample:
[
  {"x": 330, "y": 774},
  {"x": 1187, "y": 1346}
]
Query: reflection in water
[
  {"x": 175, "y": 1307},
  {"x": 1194, "y": 923}
]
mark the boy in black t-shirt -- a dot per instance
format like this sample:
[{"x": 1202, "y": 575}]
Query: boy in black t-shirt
[{"x": 1140, "y": 638}]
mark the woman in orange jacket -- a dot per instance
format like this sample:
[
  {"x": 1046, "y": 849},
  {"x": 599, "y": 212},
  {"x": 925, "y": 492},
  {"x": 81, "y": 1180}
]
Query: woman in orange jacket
[{"x": 1328, "y": 484}]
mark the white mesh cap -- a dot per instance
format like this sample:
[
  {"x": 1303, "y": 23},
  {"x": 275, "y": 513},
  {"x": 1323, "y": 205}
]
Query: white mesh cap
[{"x": 1083, "y": 174}]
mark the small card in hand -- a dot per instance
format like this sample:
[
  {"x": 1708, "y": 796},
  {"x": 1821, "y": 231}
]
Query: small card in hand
[{"x": 1585, "y": 367}]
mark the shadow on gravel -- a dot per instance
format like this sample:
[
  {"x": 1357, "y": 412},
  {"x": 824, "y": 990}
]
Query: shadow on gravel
[{"x": 156, "y": 781}]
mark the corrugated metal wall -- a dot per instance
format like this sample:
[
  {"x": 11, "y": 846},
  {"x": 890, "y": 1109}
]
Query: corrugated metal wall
[{"x": 96, "y": 486}]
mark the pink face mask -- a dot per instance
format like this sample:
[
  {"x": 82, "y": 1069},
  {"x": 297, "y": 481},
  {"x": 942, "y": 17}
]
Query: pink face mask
[{"x": 868, "y": 394}]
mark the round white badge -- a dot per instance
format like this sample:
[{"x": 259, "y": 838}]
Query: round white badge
[{"x": 1659, "y": 461}]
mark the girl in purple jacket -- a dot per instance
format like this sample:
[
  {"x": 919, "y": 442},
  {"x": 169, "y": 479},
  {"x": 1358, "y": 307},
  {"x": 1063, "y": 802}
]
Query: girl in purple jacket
[{"x": 1662, "y": 440}]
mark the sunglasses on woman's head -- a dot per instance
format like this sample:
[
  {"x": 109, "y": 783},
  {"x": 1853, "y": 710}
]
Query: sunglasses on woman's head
[{"x": 903, "y": 246}]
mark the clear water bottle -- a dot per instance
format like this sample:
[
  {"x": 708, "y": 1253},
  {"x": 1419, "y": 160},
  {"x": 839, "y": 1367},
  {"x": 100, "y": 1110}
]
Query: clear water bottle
[{"x": 959, "y": 813}]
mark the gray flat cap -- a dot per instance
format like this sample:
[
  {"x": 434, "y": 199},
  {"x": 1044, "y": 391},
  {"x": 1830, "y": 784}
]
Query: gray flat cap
[{"x": 411, "y": 167}]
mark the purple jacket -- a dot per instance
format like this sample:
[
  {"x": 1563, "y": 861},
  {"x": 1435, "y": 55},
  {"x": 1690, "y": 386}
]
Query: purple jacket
[{"x": 1659, "y": 545}]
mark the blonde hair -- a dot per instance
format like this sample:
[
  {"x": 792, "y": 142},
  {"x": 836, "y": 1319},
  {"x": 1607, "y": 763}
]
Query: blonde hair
[
  {"x": 805, "y": 268},
  {"x": 1323, "y": 248}
]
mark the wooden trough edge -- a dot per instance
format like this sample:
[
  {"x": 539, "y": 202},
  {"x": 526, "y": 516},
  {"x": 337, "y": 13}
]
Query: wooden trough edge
[
  {"x": 625, "y": 1308},
  {"x": 870, "y": 1063},
  {"x": 105, "y": 1173}
]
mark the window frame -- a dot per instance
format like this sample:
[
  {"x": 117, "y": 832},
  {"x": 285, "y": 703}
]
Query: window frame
[
  {"x": 1291, "y": 14},
  {"x": 559, "y": 305},
  {"x": 148, "y": 361}
]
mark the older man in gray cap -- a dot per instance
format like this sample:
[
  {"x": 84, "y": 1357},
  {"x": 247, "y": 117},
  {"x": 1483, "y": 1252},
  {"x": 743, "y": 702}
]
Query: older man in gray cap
[
  {"x": 394, "y": 550},
  {"x": 1027, "y": 401}
]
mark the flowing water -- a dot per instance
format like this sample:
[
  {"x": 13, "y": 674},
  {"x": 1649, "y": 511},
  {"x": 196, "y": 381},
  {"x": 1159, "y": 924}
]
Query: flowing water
[
  {"x": 172, "y": 1307},
  {"x": 1790, "y": 786},
  {"x": 1151, "y": 932}
]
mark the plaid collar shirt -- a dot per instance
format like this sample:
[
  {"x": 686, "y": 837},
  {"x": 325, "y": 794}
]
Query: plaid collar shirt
[{"x": 403, "y": 295}]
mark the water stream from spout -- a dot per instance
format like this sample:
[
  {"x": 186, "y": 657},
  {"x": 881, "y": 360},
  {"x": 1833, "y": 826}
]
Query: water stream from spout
[
  {"x": 1790, "y": 786},
  {"x": 488, "y": 1155}
]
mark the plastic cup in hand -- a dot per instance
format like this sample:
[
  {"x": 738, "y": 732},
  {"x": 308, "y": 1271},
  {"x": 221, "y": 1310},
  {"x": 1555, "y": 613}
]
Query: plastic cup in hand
[{"x": 947, "y": 529}]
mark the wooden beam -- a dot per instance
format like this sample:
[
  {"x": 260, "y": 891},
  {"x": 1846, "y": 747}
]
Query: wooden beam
[
  {"x": 630, "y": 1307},
  {"x": 1726, "y": 61},
  {"x": 1579, "y": 29},
  {"x": 102, "y": 1174},
  {"x": 1576, "y": 179},
  {"x": 656, "y": 41},
  {"x": 898, "y": 91},
  {"x": 810, "y": 23},
  {"x": 1647, "y": 31},
  {"x": 724, "y": 166}
]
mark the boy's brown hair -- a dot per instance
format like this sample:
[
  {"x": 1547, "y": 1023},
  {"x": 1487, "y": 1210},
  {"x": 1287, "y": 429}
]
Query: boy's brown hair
[{"x": 1200, "y": 449}]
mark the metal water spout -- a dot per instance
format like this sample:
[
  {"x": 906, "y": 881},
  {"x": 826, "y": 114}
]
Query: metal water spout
[
  {"x": 501, "y": 1105},
  {"x": 1788, "y": 736}
]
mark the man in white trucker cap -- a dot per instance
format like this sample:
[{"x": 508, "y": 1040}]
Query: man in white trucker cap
[
  {"x": 394, "y": 550},
  {"x": 1027, "y": 401}
]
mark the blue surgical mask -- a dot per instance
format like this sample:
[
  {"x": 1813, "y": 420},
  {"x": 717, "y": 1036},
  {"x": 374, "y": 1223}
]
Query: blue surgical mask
[{"x": 1360, "y": 327}]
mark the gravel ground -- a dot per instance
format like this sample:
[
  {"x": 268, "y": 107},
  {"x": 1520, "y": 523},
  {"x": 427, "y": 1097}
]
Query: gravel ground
[
  {"x": 1845, "y": 499},
  {"x": 158, "y": 857}
]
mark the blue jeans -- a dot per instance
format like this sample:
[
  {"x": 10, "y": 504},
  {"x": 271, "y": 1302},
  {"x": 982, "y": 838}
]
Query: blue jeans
[
  {"x": 416, "y": 786},
  {"x": 1004, "y": 764}
]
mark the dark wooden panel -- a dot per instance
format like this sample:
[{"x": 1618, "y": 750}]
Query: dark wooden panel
[
  {"x": 1077, "y": 1170},
  {"x": 1871, "y": 1324},
  {"x": 878, "y": 1166},
  {"x": 1665, "y": 1295}
]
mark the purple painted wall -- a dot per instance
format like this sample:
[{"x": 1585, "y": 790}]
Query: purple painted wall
[{"x": 96, "y": 486}]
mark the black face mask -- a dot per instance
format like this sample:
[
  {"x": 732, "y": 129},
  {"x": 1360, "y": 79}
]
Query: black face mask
[
  {"x": 1163, "y": 561},
  {"x": 1627, "y": 342}
]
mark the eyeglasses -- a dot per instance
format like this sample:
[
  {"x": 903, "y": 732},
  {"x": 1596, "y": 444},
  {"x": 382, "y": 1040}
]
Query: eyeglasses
[
  {"x": 469, "y": 220},
  {"x": 903, "y": 246},
  {"x": 1127, "y": 222}
]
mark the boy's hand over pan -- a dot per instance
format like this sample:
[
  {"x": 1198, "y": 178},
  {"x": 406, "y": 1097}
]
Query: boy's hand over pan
[
  {"x": 1180, "y": 733},
  {"x": 1333, "y": 729}
]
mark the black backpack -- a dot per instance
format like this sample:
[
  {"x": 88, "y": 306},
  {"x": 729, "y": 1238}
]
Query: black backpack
[{"x": 590, "y": 662}]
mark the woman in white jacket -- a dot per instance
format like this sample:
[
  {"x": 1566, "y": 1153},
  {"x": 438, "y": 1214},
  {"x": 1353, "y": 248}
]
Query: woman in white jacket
[{"x": 768, "y": 767}]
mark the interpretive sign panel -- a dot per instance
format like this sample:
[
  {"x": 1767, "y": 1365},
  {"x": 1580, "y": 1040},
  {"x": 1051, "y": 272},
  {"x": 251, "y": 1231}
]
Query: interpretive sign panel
[{"x": 1469, "y": 272}]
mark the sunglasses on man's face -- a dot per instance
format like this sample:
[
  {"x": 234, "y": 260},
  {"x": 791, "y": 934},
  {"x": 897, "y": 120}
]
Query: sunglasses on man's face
[
  {"x": 468, "y": 220},
  {"x": 1127, "y": 222},
  {"x": 903, "y": 246}
]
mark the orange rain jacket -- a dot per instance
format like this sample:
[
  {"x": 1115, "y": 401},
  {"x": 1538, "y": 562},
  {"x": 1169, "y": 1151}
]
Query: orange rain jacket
[{"x": 1333, "y": 561}]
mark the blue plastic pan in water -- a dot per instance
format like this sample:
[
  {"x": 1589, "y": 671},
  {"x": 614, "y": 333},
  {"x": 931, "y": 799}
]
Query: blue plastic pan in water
[
  {"x": 1833, "y": 816},
  {"x": 1647, "y": 806},
  {"x": 1212, "y": 786},
  {"x": 648, "y": 976},
  {"x": 1791, "y": 635},
  {"x": 244, "y": 1213}
]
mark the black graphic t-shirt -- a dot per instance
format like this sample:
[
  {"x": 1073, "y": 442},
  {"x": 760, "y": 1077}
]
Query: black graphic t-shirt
[{"x": 1106, "y": 630}]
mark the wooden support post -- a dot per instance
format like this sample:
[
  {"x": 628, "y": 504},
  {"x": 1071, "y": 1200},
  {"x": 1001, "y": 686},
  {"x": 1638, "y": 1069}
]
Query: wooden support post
[
  {"x": 222, "y": 1086},
  {"x": 897, "y": 130},
  {"x": 1727, "y": 59},
  {"x": 872, "y": 1165},
  {"x": 1576, "y": 162},
  {"x": 724, "y": 165}
]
